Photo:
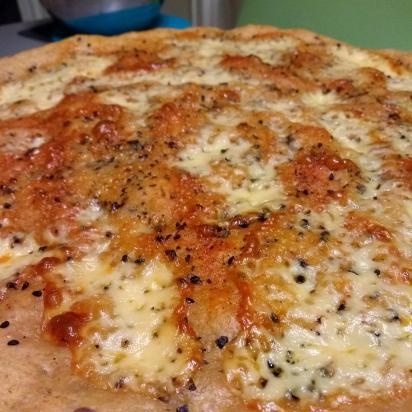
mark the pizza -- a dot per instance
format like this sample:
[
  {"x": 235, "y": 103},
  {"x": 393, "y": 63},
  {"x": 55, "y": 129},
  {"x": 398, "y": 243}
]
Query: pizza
[{"x": 206, "y": 220}]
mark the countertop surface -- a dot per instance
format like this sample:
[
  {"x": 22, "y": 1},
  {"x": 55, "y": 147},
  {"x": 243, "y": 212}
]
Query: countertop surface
[
  {"x": 17, "y": 37},
  {"x": 12, "y": 42}
]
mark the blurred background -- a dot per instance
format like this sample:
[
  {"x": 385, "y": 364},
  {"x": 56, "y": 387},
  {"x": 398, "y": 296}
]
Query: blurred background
[{"x": 368, "y": 23}]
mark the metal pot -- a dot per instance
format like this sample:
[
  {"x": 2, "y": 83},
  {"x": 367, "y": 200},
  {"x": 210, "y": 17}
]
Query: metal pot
[{"x": 104, "y": 16}]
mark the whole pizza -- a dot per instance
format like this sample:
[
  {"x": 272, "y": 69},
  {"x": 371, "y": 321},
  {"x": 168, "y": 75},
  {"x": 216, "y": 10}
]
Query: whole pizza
[{"x": 206, "y": 220}]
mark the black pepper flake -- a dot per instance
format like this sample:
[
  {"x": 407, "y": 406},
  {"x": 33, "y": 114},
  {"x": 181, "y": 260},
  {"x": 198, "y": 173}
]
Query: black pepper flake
[
  {"x": 243, "y": 223},
  {"x": 324, "y": 236},
  {"x": 341, "y": 307},
  {"x": 312, "y": 386},
  {"x": 171, "y": 254},
  {"x": 37, "y": 293},
  {"x": 353, "y": 271},
  {"x": 189, "y": 300},
  {"x": 13, "y": 342},
  {"x": 139, "y": 260},
  {"x": 42, "y": 248},
  {"x": 304, "y": 223},
  {"x": 302, "y": 263},
  {"x": 5, "y": 324},
  {"x": 292, "y": 396},
  {"x": 230, "y": 260},
  {"x": 125, "y": 258},
  {"x": 289, "y": 140},
  {"x": 11, "y": 285},
  {"x": 377, "y": 272},
  {"x": 7, "y": 190},
  {"x": 300, "y": 279},
  {"x": 115, "y": 206},
  {"x": 180, "y": 225},
  {"x": 290, "y": 357},
  {"x": 191, "y": 385},
  {"x": 120, "y": 383},
  {"x": 182, "y": 408},
  {"x": 274, "y": 318},
  {"x": 262, "y": 382},
  {"x": 277, "y": 371},
  {"x": 395, "y": 317},
  {"x": 361, "y": 189},
  {"x": 7, "y": 205},
  {"x": 16, "y": 240},
  {"x": 109, "y": 234},
  {"x": 221, "y": 341},
  {"x": 327, "y": 371},
  {"x": 195, "y": 280}
]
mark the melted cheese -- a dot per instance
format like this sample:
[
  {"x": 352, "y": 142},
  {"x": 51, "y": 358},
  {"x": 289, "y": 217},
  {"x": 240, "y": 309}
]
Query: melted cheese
[
  {"x": 22, "y": 142},
  {"x": 270, "y": 51},
  {"x": 45, "y": 89},
  {"x": 17, "y": 252},
  {"x": 400, "y": 83},
  {"x": 258, "y": 188},
  {"x": 349, "y": 58},
  {"x": 137, "y": 341},
  {"x": 361, "y": 347}
]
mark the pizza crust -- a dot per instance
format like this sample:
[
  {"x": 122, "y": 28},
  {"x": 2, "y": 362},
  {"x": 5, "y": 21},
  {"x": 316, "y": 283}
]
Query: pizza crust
[{"x": 18, "y": 66}]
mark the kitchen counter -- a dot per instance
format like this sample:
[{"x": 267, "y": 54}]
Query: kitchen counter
[
  {"x": 12, "y": 42},
  {"x": 17, "y": 37}
]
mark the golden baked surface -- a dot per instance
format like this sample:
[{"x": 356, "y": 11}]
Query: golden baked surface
[{"x": 206, "y": 221}]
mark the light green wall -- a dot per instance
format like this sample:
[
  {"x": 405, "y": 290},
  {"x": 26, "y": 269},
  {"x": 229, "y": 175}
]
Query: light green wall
[{"x": 368, "y": 23}]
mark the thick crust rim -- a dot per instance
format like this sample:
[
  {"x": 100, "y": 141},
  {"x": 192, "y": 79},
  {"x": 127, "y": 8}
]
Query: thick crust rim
[{"x": 19, "y": 66}]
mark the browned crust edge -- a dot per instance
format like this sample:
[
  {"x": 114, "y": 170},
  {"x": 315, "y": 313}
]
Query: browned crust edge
[{"x": 17, "y": 66}]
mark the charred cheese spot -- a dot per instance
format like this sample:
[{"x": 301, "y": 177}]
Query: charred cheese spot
[
  {"x": 138, "y": 60},
  {"x": 308, "y": 177}
]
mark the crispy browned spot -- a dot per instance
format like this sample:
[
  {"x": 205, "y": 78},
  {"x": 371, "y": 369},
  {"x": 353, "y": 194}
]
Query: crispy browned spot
[
  {"x": 65, "y": 328},
  {"x": 139, "y": 60},
  {"x": 362, "y": 225},
  {"x": 318, "y": 176},
  {"x": 253, "y": 66}
]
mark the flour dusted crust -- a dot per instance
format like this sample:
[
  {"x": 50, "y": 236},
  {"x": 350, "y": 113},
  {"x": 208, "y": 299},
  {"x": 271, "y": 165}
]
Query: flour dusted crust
[{"x": 207, "y": 221}]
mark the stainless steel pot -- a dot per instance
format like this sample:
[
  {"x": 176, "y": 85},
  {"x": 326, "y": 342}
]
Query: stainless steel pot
[{"x": 104, "y": 16}]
